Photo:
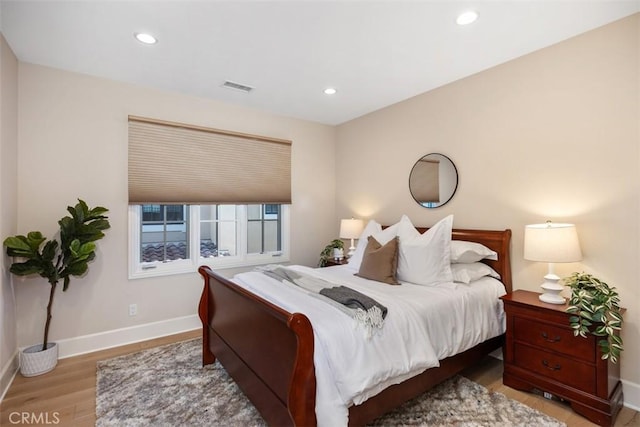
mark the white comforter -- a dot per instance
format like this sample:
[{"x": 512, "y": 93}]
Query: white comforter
[{"x": 423, "y": 324}]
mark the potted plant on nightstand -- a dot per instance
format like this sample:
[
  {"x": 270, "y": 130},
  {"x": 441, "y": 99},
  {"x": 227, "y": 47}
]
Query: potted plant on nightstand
[
  {"x": 56, "y": 261},
  {"x": 594, "y": 302},
  {"x": 335, "y": 249}
]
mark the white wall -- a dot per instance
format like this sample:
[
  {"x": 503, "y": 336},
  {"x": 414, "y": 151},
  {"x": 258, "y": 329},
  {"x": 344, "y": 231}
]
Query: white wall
[
  {"x": 73, "y": 143},
  {"x": 551, "y": 135},
  {"x": 8, "y": 207}
]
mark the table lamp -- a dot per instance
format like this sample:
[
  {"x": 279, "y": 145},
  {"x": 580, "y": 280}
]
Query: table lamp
[
  {"x": 551, "y": 242},
  {"x": 351, "y": 229}
]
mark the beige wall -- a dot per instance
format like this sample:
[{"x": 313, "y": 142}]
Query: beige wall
[
  {"x": 551, "y": 135},
  {"x": 8, "y": 205},
  {"x": 73, "y": 143}
]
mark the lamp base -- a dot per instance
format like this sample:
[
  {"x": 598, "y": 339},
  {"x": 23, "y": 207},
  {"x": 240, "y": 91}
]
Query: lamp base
[
  {"x": 552, "y": 290},
  {"x": 352, "y": 249},
  {"x": 550, "y": 298}
]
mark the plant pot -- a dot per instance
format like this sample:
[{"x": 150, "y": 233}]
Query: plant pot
[
  {"x": 338, "y": 253},
  {"x": 34, "y": 361}
]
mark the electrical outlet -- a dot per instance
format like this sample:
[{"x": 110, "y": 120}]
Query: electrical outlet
[
  {"x": 133, "y": 309},
  {"x": 547, "y": 395}
]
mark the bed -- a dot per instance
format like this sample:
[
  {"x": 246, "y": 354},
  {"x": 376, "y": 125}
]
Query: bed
[{"x": 269, "y": 352}]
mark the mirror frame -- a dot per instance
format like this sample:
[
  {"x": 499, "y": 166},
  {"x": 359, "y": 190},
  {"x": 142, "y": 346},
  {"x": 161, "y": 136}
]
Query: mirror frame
[{"x": 455, "y": 188}]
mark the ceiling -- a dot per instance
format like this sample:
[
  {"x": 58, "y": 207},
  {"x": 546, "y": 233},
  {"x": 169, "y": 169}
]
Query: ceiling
[{"x": 374, "y": 53}]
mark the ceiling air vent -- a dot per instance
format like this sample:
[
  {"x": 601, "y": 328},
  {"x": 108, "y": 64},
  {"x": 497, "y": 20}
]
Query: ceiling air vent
[{"x": 237, "y": 86}]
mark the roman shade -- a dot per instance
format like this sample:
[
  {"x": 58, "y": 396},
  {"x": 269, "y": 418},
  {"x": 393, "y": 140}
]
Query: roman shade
[
  {"x": 178, "y": 163},
  {"x": 425, "y": 182}
]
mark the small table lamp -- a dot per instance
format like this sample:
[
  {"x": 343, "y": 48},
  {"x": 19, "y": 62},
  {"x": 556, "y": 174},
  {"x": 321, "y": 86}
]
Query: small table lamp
[
  {"x": 551, "y": 243},
  {"x": 351, "y": 229}
]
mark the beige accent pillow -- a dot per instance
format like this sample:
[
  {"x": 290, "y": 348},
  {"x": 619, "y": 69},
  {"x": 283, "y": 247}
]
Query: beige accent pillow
[{"x": 380, "y": 262}]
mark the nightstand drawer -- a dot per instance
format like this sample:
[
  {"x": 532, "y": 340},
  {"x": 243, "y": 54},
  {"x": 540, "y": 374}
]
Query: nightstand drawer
[
  {"x": 562, "y": 369},
  {"x": 554, "y": 338}
]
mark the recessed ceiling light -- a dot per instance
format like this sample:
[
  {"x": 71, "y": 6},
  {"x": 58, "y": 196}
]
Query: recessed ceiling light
[
  {"x": 330, "y": 91},
  {"x": 145, "y": 38},
  {"x": 467, "y": 18}
]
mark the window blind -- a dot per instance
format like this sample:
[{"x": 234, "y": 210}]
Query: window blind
[{"x": 183, "y": 164}]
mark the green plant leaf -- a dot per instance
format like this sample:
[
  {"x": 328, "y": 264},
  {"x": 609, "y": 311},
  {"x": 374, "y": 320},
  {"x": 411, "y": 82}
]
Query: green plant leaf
[
  {"x": 26, "y": 268},
  {"x": 78, "y": 268},
  {"x": 586, "y": 317},
  {"x": 97, "y": 212},
  {"x": 26, "y": 247},
  {"x": 79, "y": 211},
  {"x": 17, "y": 243},
  {"x": 596, "y": 303},
  {"x": 100, "y": 224},
  {"x": 49, "y": 251}
]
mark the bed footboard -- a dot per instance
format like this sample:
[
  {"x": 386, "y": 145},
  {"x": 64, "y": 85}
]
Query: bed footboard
[{"x": 266, "y": 350}]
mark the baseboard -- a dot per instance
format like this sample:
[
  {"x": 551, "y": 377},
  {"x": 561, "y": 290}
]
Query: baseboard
[
  {"x": 8, "y": 374},
  {"x": 631, "y": 395},
  {"x": 118, "y": 337},
  {"x": 497, "y": 353}
]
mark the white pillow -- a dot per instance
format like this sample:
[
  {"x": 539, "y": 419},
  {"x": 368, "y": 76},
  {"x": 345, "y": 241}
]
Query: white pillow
[
  {"x": 426, "y": 258},
  {"x": 371, "y": 228},
  {"x": 404, "y": 229},
  {"x": 467, "y": 273},
  {"x": 464, "y": 252}
]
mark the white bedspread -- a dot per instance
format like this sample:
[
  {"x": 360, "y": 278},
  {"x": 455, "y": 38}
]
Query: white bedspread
[{"x": 423, "y": 324}]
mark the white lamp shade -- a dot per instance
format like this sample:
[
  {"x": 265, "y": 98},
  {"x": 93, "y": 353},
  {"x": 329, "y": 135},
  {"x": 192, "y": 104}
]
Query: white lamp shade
[
  {"x": 551, "y": 242},
  {"x": 351, "y": 228}
]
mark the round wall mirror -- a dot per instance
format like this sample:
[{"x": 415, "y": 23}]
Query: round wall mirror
[{"x": 433, "y": 180}]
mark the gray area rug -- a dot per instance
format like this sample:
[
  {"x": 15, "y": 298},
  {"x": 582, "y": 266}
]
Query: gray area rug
[{"x": 167, "y": 386}]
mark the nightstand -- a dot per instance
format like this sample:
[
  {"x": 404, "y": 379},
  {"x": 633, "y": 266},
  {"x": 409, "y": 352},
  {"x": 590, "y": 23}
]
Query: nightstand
[
  {"x": 332, "y": 261},
  {"x": 541, "y": 354}
]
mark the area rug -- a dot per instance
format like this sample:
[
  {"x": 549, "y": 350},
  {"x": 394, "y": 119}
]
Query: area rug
[{"x": 167, "y": 386}]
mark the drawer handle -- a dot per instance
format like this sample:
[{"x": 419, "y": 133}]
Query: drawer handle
[
  {"x": 547, "y": 339},
  {"x": 552, "y": 368}
]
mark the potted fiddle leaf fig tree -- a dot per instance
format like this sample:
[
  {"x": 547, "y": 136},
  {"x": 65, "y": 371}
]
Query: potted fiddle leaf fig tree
[
  {"x": 56, "y": 260},
  {"x": 595, "y": 310}
]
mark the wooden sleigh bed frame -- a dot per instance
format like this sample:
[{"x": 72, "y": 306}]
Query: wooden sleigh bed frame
[{"x": 269, "y": 351}]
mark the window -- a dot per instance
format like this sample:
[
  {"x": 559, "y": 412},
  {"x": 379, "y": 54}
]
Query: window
[
  {"x": 173, "y": 225},
  {"x": 171, "y": 239},
  {"x": 163, "y": 233}
]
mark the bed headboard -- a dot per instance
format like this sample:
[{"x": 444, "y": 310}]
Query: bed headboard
[{"x": 497, "y": 240}]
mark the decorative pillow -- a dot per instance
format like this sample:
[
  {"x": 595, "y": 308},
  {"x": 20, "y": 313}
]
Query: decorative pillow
[
  {"x": 463, "y": 252},
  {"x": 426, "y": 258},
  {"x": 380, "y": 262},
  {"x": 467, "y": 273},
  {"x": 371, "y": 228}
]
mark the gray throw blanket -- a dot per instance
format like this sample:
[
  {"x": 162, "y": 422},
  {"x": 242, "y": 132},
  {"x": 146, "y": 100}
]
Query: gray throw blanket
[
  {"x": 366, "y": 311},
  {"x": 353, "y": 299}
]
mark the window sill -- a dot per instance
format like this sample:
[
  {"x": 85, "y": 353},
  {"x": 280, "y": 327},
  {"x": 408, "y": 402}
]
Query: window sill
[{"x": 187, "y": 266}]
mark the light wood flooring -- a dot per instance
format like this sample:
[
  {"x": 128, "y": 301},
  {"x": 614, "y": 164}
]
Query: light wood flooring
[{"x": 68, "y": 393}]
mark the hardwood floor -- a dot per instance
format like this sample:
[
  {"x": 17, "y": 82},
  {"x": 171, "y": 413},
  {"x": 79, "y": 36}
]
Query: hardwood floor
[
  {"x": 67, "y": 395},
  {"x": 489, "y": 374}
]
